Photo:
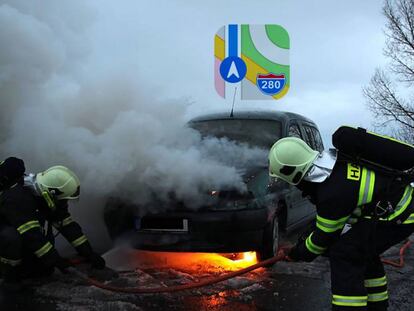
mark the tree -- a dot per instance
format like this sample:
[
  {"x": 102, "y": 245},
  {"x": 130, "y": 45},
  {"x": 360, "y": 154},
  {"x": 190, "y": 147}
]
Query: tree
[{"x": 389, "y": 94}]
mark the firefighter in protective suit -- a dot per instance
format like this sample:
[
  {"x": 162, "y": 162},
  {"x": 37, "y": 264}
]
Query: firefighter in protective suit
[
  {"x": 29, "y": 207},
  {"x": 352, "y": 227}
]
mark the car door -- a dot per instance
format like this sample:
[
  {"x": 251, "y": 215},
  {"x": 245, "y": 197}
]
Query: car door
[
  {"x": 314, "y": 140},
  {"x": 297, "y": 206}
]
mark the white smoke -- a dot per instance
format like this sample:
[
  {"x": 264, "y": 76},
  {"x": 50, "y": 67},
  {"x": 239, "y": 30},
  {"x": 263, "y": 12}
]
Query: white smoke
[{"x": 110, "y": 129}]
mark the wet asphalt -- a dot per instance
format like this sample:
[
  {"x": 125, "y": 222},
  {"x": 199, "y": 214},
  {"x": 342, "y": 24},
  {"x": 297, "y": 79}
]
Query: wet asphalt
[{"x": 285, "y": 286}]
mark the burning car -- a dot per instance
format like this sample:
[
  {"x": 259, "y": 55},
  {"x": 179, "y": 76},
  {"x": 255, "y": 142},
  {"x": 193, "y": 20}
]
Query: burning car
[{"x": 230, "y": 221}]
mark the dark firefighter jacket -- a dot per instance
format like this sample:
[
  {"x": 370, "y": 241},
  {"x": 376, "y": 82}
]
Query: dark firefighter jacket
[
  {"x": 28, "y": 214},
  {"x": 350, "y": 186}
]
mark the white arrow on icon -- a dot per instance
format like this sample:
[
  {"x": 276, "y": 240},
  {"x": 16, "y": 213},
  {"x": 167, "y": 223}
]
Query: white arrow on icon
[{"x": 233, "y": 71}]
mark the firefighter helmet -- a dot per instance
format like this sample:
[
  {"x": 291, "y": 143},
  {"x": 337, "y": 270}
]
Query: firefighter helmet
[
  {"x": 11, "y": 170},
  {"x": 290, "y": 158},
  {"x": 59, "y": 182}
]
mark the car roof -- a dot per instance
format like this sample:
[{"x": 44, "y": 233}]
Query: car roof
[{"x": 255, "y": 115}]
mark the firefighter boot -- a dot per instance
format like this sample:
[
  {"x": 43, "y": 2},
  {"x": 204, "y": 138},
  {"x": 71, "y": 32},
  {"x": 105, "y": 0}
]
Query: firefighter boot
[{"x": 11, "y": 279}]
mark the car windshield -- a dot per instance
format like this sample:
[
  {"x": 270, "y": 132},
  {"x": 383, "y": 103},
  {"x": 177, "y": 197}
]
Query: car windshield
[{"x": 256, "y": 133}]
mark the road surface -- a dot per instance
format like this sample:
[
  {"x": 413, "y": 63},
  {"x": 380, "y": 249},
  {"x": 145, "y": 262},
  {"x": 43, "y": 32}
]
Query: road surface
[{"x": 286, "y": 286}]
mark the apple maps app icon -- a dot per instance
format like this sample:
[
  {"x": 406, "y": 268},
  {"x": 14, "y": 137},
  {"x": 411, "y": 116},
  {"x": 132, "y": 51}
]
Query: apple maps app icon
[{"x": 251, "y": 62}]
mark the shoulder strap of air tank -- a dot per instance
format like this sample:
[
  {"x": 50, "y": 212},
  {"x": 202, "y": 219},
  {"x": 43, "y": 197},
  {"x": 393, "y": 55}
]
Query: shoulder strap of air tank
[
  {"x": 404, "y": 175},
  {"x": 366, "y": 186}
]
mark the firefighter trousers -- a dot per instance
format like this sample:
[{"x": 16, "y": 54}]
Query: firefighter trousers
[
  {"x": 10, "y": 253},
  {"x": 357, "y": 273},
  {"x": 16, "y": 261}
]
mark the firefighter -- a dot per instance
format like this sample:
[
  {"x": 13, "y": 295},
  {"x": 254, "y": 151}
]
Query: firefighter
[
  {"x": 29, "y": 207},
  {"x": 361, "y": 212}
]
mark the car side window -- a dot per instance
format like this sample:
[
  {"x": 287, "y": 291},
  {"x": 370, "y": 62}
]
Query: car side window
[
  {"x": 310, "y": 140},
  {"x": 318, "y": 139},
  {"x": 294, "y": 131}
]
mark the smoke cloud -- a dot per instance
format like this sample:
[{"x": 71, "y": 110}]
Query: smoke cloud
[{"x": 110, "y": 128}]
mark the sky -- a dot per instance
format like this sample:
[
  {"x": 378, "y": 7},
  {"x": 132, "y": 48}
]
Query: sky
[{"x": 335, "y": 48}]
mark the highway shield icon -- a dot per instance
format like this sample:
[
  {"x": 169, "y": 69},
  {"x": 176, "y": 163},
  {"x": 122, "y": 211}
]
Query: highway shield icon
[{"x": 271, "y": 84}]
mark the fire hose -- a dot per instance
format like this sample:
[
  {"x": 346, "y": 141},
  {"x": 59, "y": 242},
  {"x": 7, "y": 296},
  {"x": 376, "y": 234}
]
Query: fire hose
[
  {"x": 210, "y": 281},
  {"x": 401, "y": 263}
]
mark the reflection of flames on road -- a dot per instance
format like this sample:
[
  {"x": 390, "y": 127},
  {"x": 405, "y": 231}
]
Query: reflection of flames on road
[
  {"x": 222, "y": 301},
  {"x": 159, "y": 269}
]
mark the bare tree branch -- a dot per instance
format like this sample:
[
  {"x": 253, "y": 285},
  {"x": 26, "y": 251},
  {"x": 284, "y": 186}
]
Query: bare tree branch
[{"x": 382, "y": 95}]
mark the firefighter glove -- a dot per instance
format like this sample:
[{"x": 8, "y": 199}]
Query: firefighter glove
[
  {"x": 292, "y": 254},
  {"x": 300, "y": 253},
  {"x": 96, "y": 261},
  {"x": 62, "y": 264}
]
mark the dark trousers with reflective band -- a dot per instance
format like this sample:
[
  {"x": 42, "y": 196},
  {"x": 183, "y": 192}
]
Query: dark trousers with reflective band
[
  {"x": 357, "y": 274},
  {"x": 10, "y": 252},
  {"x": 16, "y": 261}
]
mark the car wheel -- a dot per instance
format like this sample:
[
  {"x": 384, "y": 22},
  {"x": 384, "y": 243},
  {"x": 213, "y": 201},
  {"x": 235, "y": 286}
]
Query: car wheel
[{"x": 270, "y": 241}]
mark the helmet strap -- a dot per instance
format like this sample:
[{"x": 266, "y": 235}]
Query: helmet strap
[
  {"x": 31, "y": 181},
  {"x": 49, "y": 200}
]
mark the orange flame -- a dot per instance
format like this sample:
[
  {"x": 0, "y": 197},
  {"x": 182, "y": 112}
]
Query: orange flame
[
  {"x": 192, "y": 262},
  {"x": 243, "y": 259}
]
